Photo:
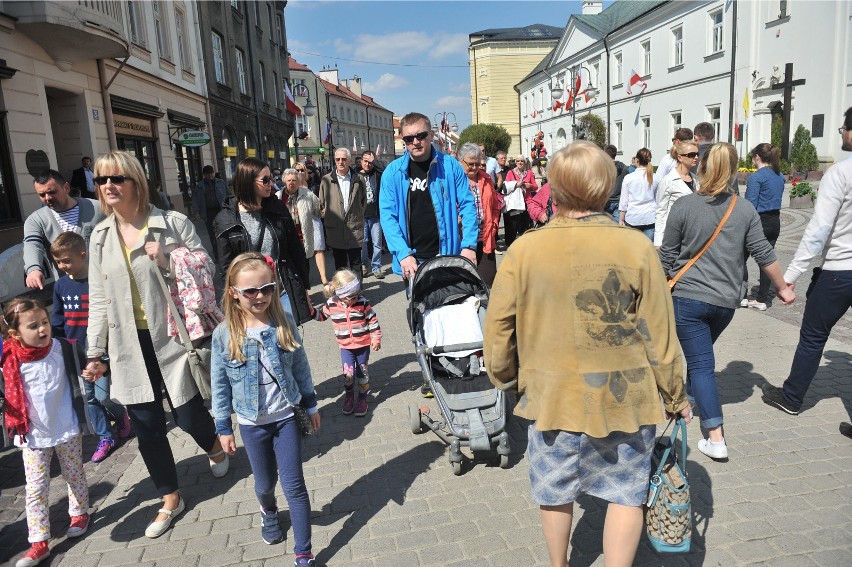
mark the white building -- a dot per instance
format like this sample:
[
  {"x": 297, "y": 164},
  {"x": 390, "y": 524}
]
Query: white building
[{"x": 698, "y": 59}]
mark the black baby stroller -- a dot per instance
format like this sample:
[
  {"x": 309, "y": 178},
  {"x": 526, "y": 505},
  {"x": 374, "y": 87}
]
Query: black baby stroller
[{"x": 446, "y": 313}]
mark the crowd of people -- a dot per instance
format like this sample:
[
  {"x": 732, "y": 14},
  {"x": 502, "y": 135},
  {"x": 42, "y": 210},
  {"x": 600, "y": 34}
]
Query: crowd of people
[{"x": 654, "y": 274}]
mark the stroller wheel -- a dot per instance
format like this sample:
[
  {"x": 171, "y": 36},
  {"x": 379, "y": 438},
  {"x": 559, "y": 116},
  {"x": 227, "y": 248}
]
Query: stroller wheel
[{"x": 414, "y": 421}]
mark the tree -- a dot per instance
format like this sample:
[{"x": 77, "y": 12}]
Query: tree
[
  {"x": 494, "y": 137},
  {"x": 803, "y": 154},
  {"x": 777, "y": 130},
  {"x": 592, "y": 129}
]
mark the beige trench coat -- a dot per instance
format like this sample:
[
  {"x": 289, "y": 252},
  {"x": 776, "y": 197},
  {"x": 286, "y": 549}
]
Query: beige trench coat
[
  {"x": 112, "y": 328},
  {"x": 343, "y": 229}
]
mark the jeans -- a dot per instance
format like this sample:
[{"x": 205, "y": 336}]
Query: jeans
[
  {"x": 828, "y": 301},
  {"x": 101, "y": 408},
  {"x": 372, "y": 240},
  {"x": 698, "y": 325},
  {"x": 149, "y": 422},
  {"x": 647, "y": 229},
  {"x": 611, "y": 208},
  {"x": 347, "y": 258},
  {"x": 275, "y": 453}
]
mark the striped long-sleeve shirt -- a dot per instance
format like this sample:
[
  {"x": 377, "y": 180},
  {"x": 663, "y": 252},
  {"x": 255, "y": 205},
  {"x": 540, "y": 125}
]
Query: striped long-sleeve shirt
[{"x": 355, "y": 325}]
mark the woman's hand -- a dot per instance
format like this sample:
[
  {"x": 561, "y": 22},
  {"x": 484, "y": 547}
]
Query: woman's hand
[
  {"x": 94, "y": 370},
  {"x": 315, "y": 420},
  {"x": 229, "y": 444},
  {"x": 685, "y": 413},
  {"x": 155, "y": 251},
  {"x": 787, "y": 295}
]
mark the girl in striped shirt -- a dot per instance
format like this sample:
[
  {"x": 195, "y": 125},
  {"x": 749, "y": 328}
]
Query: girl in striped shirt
[{"x": 356, "y": 329}]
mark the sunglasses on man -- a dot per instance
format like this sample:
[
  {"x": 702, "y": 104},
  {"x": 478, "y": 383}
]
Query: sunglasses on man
[{"x": 419, "y": 136}]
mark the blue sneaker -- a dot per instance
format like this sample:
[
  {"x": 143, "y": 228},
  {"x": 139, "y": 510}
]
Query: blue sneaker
[
  {"x": 304, "y": 560},
  {"x": 270, "y": 527}
]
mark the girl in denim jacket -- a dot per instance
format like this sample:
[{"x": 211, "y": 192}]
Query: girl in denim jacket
[{"x": 259, "y": 369}]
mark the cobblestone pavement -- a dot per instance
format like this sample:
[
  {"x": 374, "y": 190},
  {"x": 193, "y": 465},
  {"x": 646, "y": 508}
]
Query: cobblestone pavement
[{"x": 383, "y": 496}]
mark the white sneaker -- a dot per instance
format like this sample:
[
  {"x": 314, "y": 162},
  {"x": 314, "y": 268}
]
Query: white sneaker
[
  {"x": 744, "y": 302},
  {"x": 717, "y": 451},
  {"x": 156, "y": 529},
  {"x": 754, "y": 304},
  {"x": 219, "y": 469}
]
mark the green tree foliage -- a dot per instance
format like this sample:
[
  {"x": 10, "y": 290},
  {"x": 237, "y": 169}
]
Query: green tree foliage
[
  {"x": 803, "y": 154},
  {"x": 494, "y": 137},
  {"x": 593, "y": 129},
  {"x": 777, "y": 131}
]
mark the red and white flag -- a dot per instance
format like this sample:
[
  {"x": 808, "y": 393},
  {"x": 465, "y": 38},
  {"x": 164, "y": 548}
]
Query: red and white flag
[
  {"x": 292, "y": 107},
  {"x": 635, "y": 81},
  {"x": 327, "y": 139},
  {"x": 557, "y": 105},
  {"x": 354, "y": 145},
  {"x": 533, "y": 113}
]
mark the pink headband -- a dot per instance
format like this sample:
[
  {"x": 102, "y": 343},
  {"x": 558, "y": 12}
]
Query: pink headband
[{"x": 270, "y": 262}]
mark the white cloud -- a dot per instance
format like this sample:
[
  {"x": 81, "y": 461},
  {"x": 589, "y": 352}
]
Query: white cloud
[
  {"x": 386, "y": 82},
  {"x": 392, "y": 47},
  {"x": 459, "y": 87},
  {"x": 451, "y": 101},
  {"x": 342, "y": 47},
  {"x": 449, "y": 44}
]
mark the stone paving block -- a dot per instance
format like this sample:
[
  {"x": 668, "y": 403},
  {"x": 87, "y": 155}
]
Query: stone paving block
[
  {"x": 230, "y": 525},
  {"x": 518, "y": 556},
  {"x": 183, "y": 530},
  {"x": 832, "y": 557},
  {"x": 105, "y": 545},
  {"x": 205, "y": 544},
  {"x": 79, "y": 561},
  {"x": 163, "y": 550},
  {"x": 416, "y": 539},
  {"x": 371, "y": 548},
  {"x": 219, "y": 558},
  {"x": 379, "y": 528},
  {"x": 120, "y": 557}
]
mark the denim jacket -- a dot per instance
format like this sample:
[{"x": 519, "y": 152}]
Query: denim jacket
[{"x": 235, "y": 384}]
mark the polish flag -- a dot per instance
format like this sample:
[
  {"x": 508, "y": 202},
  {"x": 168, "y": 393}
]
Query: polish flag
[
  {"x": 635, "y": 81},
  {"x": 557, "y": 105},
  {"x": 292, "y": 107},
  {"x": 327, "y": 139},
  {"x": 354, "y": 145},
  {"x": 570, "y": 102},
  {"x": 533, "y": 113}
]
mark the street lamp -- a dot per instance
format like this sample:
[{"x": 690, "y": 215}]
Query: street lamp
[
  {"x": 556, "y": 92},
  {"x": 442, "y": 126},
  {"x": 310, "y": 109}
]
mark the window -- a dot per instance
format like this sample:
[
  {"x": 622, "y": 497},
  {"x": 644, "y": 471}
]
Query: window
[
  {"x": 349, "y": 115},
  {"x": 334, "y": 111},
  {"x": 596, "y": 70},
  {"x": 235, "y": 4},
  {"x": 524, "y": 106},
  {"x": 137, "y": 23},
  {"x": 257, "y": 13},
  {"x": 619, "y": 131},
  {"x": 269, "y": 19},
  {"x": 182, "y": 45},
  {"x": 677, "y": 46},
  {"x": 676, "y": 121},
  {"x": 716, "y": 21},
  {"x": 541, "y": 100},
  {"x": 161, "y": 28},
  {"x": 262, "y": 73},
  {"x": 279, "y": 30},
  {"x": 275, "y": 89},
  {"x": 218, "y": 58},
  {"x": 714, "y": 115},
  {"x": 242, "y": 79},
  {"x": 619, "y": 70},
  {"x": 646, "y": 57},
  {"x": 646, "y": 131}
]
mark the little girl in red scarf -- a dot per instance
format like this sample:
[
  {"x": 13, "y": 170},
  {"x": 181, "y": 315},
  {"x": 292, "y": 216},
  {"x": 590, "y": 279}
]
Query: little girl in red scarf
[{"x": 44, "y": 411}]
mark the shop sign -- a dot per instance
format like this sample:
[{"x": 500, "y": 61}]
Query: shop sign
[
  {"x": 194, "y": 138},
  {"x": 251, "y": 152},
  {"x": 132, "y": 126},
  {"x": 282, "y": 155},
  {"x": 270, "y": 154},
  {"x": 229, "y": 151}
]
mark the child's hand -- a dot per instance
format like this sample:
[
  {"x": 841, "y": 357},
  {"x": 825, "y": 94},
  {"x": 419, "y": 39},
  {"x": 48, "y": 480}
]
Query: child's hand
[
  {"x": 229, "y": 444},
  {"x": 376, "y": 345},
  {"x": 315, "y": 420},
  {"x": 94, "y": 370}
]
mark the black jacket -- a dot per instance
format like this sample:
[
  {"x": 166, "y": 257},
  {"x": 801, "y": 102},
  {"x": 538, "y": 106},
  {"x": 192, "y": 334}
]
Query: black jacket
[{"x": 232, "y": 239}]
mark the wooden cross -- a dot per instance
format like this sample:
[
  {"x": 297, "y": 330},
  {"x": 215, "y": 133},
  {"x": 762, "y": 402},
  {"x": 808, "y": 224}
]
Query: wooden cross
[{"x": 787, "y": 86}]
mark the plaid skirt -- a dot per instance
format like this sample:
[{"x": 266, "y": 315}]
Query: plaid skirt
[{"x": 564, "y": 465}]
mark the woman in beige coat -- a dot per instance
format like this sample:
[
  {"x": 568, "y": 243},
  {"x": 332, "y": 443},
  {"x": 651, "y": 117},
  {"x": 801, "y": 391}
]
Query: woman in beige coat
[
  {"x": 585, "y": 335},
  {"x": 128, "y": 320}
]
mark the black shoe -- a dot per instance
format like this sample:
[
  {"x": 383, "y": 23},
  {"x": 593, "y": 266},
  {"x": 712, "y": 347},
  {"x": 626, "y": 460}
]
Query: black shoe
[
  {"x": 774, "y": 396},
  {"x": 846, "y": 429},
  {"x": 270, "y": 527},
  {"x": 426, "y": 391},
  {"x": 378, "y": 274}
]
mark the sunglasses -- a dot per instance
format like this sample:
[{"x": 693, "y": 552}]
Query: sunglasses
[
  {"x": 265, "y": 179},
  {"x": 115, "y": 179},
  {"x": 341, "y": 159},
  {"x": 473, "y": 165},
  {"x": 252, "y": 292},
  {"x": 299, "y": 169},
  {"x": 690, "y": 155},
  {"x": 419, "y": 136}
]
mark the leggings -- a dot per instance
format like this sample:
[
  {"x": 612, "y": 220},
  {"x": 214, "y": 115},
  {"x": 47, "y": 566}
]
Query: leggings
[{"x": 37, "y": 473}]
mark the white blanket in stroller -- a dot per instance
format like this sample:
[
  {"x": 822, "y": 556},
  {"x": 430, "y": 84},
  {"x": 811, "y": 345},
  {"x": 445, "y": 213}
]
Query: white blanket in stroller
[{"x": 453, "y": 325}]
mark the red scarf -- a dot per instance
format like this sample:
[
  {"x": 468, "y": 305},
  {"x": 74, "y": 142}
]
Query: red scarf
[{"x": 15, "y": 353}]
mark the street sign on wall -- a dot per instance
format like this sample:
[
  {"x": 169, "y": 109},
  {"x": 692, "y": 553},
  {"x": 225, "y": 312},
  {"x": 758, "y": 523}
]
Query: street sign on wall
[{"x": 194, "y": 138}]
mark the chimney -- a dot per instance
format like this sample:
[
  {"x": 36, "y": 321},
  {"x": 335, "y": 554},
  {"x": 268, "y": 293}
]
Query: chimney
[
  {"x": 591, "y": 7},
  {"x": 354, "y": 85},
  {"x": 330, "y": 75}
]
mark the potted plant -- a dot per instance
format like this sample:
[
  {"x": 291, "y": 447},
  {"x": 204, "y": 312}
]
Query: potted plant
[
  {"x": 744, "y": 169},
  {"x": 803, "y": 155},
  {"x": 802, "y": 194}
]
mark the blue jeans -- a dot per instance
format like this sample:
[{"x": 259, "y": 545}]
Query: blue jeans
[
  {"x": 372, "y": 240},
  {"x": 611, "y": 208},
  {"x": 101, "y": 408},
  {"x": 828, "y": 301},
  {"x": 275, "y": 453},
  {"x": 698, "y": 325}
]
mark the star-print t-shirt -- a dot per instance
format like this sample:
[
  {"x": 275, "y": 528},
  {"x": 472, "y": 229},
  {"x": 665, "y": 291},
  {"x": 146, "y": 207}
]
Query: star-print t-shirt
[{"x": 70, "y": 309}]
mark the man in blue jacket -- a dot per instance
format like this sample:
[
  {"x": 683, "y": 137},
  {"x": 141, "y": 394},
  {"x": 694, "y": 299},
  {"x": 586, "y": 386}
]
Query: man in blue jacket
[{"x": 424, "y": 194}]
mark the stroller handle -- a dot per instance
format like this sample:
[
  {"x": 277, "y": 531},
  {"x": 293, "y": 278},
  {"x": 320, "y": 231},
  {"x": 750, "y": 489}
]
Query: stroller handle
[{"x": 454, "y": 348}]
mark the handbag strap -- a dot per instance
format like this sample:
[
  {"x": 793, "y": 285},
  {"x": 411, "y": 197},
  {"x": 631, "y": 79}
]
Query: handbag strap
[
  {"x": 181, "y": 327},
  {"x": 695, "y": 258},
  {"x": 679, "y": 429}
]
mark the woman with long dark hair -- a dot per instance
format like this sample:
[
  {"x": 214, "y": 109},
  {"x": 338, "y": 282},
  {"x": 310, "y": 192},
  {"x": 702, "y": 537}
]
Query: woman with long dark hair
[
  {"x": 255, "y": 220},
  {"x": 638, "y": 206},
  {"x": 764, "y": 189}
]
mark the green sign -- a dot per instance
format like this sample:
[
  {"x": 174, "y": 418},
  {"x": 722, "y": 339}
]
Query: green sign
[{"x": 193, "y": 138}]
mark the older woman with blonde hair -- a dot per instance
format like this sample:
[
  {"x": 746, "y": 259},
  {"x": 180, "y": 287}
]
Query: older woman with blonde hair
[
  {"x": 708, "y": 289},
  {"x": 584, "y": 334},
  {"x": 128, "y": 321},
  {"x": 678, "y": 182},
  {"x": 472, "y": 159}
]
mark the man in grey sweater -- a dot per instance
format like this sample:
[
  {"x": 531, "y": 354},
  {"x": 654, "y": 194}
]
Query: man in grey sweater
[{"x": 61, "y": 213}]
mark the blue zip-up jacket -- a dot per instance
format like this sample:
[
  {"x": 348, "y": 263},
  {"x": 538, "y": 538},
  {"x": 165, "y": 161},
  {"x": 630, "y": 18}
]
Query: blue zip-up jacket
[
  {"x": 764, "y": 189},
  {"x": 451, "y": 198},
  {"x": 235, "y": 384}
]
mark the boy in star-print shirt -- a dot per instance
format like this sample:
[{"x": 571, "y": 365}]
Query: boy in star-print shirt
[{"x": 71, "y": 320}]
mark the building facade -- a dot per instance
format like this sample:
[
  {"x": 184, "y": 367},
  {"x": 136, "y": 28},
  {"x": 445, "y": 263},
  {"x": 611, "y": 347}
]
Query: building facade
[
  {"x": 80, "y": 78},
  {"x": 497, "y": 58},
  {"x": 245, "y": 56},
  {"x": 701, "y": 61}
]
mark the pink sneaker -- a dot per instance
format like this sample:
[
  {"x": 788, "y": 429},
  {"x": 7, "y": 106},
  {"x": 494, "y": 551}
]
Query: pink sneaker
[
  {"x": 361, "y": 408},
  {"x": 105, "y": 447},
  {"x": 37, "y": 552},
  {"x": 79, "y": 525},
  {"x": 124, "y": 429},
  {"x": 348, "y": 402}
]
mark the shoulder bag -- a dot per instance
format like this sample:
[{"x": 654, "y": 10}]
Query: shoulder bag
[
  {"x": 695, "y": 258},
  {"x": 668, "y": 514}
]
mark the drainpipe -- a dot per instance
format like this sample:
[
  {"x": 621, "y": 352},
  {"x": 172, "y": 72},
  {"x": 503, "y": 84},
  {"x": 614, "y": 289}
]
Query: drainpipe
[
  {"x": 254, "y": 94},
  {"x": 110, "y": 124},
  {"x": 202, "y": 73},
  {"x": 733, "y": 72},
  {"x": 476, "y": 86},
  {"x": 608, "y": 90}
]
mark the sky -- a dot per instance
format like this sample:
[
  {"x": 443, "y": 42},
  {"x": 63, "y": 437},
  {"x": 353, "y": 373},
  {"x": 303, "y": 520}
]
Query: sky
[{"x": 417, "y": 50}]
